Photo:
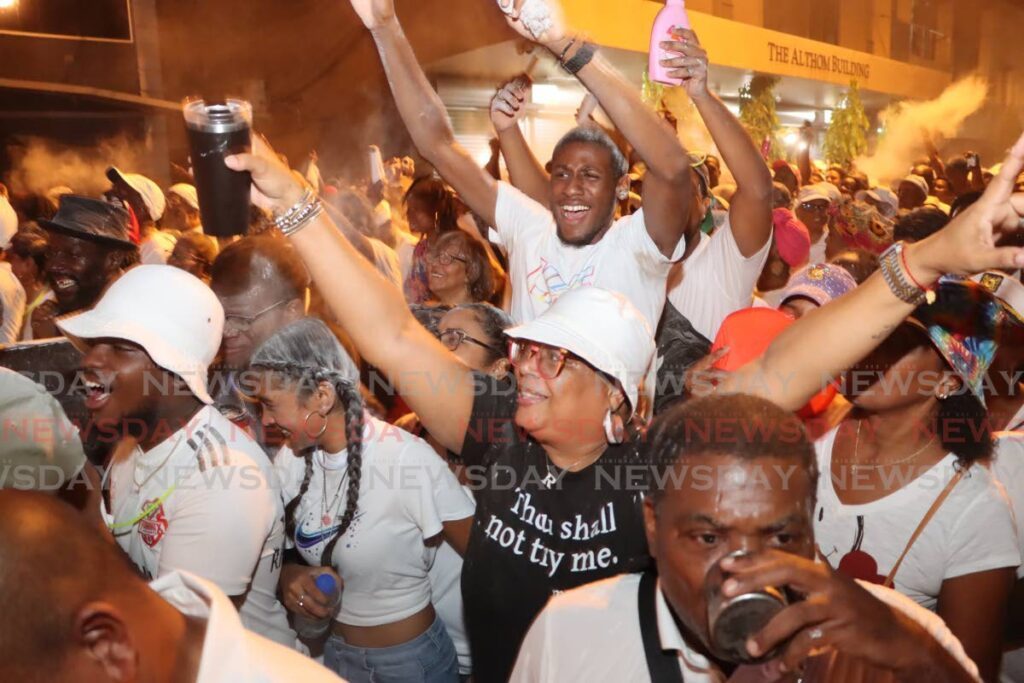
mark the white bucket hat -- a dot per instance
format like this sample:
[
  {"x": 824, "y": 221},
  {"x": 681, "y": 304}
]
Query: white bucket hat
[
  {"x": 152, "y": 195},
  {"x": 604, "y": 329},
  {"x": 168, "y": 312}
]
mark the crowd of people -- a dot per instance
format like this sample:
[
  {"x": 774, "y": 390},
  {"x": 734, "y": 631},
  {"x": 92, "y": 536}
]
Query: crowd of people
[{"x": 543, "y": 422}]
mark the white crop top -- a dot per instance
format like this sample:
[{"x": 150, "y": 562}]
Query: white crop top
[{"x": 406, "y": 492}]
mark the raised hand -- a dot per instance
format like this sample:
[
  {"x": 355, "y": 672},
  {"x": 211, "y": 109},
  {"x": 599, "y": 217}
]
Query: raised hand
[
  {"x": 275, "y": 187},
  {"x": 539, "y": 21},
  {"x": 692, "y": 63},
  {"x": 509, "y": 104},
  {"x": 968, "y": 244},
  {"x": 374, "y": 12}
]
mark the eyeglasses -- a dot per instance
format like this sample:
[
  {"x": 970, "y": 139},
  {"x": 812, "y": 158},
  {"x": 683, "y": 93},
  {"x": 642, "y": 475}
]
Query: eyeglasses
[
  {"x": 551, "y": 360},
  {"x": 453, "y": 338},
  {"x": 445, "y": 259},
  {"x": 242, "y": 323},
  {"x": 814, "y": 206}
]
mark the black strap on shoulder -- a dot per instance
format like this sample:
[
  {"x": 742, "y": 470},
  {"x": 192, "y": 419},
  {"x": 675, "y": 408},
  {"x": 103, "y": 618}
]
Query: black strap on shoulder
[{"x": 663, "y": 666}]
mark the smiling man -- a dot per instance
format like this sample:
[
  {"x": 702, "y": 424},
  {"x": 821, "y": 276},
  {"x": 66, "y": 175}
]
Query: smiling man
[
  {"x": 573, "y": 240},
  {"x": 89, "y": 248},
  {"x": 188, "y": 490},
  {"x": 751, "y": 492}
]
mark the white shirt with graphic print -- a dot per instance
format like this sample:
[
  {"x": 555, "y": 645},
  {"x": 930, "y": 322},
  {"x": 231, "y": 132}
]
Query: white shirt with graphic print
[
  {"x": 200, "y": 502},
  {"x": 542, "y": 268},
  {"x": 406, "y": 493}
]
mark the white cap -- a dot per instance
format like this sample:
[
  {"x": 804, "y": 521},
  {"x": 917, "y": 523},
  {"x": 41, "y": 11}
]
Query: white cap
[
  {"x": 168, "y": 312},
  {"x": 8, "y": 222},
  {"x": 917, "y": 180},
  {"x": 810, "y": 193},
  {"x": 37, "y": 435},
  {"x": 601, "y": 327},
  {"x": 186, "y": 192},
  {"x": 881, "y": 195},
  {"x": 152, "y": 195},
  {"x": 1006, "y": 288}
]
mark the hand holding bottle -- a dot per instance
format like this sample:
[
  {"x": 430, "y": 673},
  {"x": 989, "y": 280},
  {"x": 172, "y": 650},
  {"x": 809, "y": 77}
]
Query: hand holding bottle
[{"x": 691, "y": 63}]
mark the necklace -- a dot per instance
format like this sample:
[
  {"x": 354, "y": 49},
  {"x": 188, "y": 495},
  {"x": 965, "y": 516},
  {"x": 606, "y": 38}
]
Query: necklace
[
  {"x": 551, "y": 478},
  {"x": 325, "y": 509},
  {"x": 875, "y": 465}
]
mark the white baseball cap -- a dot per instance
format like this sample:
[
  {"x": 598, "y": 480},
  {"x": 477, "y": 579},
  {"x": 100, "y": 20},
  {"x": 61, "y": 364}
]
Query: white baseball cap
[
  {"x": 816, "y": 192},
  {"x": 37, "y": 438},
  {"x": 918, "y": 181},
  {"x": 168, "y": 312},
  {"x": 1006, "y": 288},
  {"x": 186, "y": 192},
  {"x": 601, "y": 327},
  {"x": 883, "y": 196},
  {"x": 8, "y": 222},
  {"x": 152, "y": 195}
]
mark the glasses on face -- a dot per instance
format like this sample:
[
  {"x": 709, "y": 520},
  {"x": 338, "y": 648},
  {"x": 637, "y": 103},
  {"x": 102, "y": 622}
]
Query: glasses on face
[
  {"x": 243, "y": 323},
  {"x": 814, "y": 206},
  {"x": 445, "y": 258},
  {"x": 453, "y": 338},
  {"x": 551, "y": 360}
]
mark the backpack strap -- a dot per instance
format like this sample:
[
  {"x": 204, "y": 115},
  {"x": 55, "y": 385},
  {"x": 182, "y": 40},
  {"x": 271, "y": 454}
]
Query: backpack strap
[{"x": 663, "y": 666}]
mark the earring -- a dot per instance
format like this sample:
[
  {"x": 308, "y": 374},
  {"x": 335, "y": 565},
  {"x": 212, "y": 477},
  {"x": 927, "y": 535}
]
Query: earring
[
  {"x": 614, "y": 427},
  {"x": 623, "y": 195},
  {"x": 943, "y": 394},
  {"x": 305, "y": 425}
]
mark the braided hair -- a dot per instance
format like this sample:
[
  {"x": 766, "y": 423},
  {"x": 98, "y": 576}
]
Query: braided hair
[{"x": 307, "y": 354}]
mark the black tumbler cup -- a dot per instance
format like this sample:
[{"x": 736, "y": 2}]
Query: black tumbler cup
[{"x": 216, "y": 130}]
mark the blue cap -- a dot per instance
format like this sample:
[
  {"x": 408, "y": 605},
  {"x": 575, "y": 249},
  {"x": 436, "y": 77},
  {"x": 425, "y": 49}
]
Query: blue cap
[{"x": 326, "y": 584}]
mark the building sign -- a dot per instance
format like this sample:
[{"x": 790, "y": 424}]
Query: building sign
[{"x": 818, "y": 61}]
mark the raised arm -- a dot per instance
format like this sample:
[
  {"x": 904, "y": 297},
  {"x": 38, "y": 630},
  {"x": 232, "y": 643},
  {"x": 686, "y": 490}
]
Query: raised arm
[
  {"x": 431, "y": 379},
  {"x": 750, "y": 209},
  {"x": 524, "y": 171},
  {"x": 667, "y": 187},
  {"x": 827, "y": 341},
  {"x": 423, "y": 112}
]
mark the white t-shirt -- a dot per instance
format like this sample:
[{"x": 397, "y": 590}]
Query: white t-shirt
[
  {"x": 406, "y": 492},
  {"x": 592, "y": 633},
  {"x": 157, "y": 248},
  {"x": 818, "y": 249},
  {"x": 12, "y": 305},
  {"x": 1008, "y": 466},
  {"x": 972, "y": 531},
  {"x": 445, "y": 575},
  {"x": 386, "y": 260},
  {"x": 542, "y": 268},
  {"x": 232, "y": 654},
  {"x": 200, "y": 502},
  {"x": 404, "y": 248},
  {"x": 715, "y": 280}
]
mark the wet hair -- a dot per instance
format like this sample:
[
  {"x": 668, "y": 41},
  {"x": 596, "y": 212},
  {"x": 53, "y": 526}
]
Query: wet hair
[
  {"x": 595, "y": 135},
  {"x": 440, "y": 198},
  {"x": 30, "y": 244},
  {"x": 760, "y": 429},
  {"x": 920, "y": 223},
  {"x": 958, "y": 164},
  {"x": 255, "y": 260},
  {"x": 838, "y": 169},
  {"x": 357, "y": 209},
  {"x": 858, "y": 263},
  {"x": 494, "y": 322},
  {"x": 482, "y": 283},
  {"x": 782, "y": 198},
  {"x": 306, "y": 353}
]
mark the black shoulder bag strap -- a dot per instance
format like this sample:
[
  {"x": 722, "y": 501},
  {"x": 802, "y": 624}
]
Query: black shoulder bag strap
[{"x": 663, "y": 667}]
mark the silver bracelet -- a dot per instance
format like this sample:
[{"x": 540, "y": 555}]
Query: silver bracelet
[
  {"x": 890, "y": 263},
  {"x": 300, "y": 215}
]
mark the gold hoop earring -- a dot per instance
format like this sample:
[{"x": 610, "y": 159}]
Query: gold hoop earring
[{"x": 305, "y": 425}]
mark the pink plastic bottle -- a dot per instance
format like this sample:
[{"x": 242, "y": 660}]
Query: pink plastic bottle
[{"x": 672, "y": 14}]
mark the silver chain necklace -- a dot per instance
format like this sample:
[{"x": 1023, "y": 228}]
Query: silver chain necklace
[{"x": 325, "y": 509}]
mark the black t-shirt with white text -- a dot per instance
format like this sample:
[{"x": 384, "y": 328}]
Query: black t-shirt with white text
[{"x": 532, "y": 537}]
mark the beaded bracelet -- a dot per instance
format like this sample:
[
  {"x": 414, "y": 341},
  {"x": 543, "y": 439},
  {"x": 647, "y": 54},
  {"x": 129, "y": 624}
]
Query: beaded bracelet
[{"x": 898, "y": 279}]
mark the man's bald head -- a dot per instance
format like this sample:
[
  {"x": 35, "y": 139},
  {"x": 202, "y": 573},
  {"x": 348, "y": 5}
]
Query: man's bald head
[
  {"x": 64, "y": 590},
  {"x": 262, "y": 284}
]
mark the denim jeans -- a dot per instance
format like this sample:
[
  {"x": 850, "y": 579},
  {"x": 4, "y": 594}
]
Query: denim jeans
[{"x": 427, "y": 658}]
